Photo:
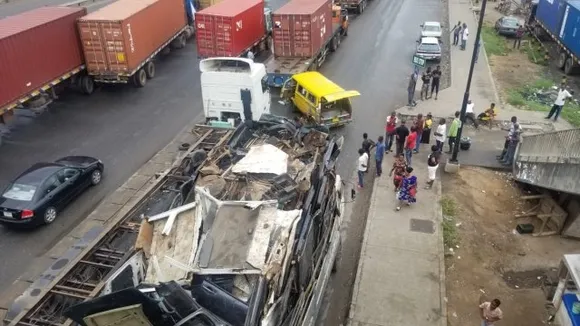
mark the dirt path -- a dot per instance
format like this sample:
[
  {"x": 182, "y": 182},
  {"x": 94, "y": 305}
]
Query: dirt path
[{"x": 490, "y": 260}]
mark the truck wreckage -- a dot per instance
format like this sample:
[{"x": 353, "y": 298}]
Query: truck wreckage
[{"x": 249, "y": 235}]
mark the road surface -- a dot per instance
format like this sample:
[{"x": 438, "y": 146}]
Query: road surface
[{"x": 126, "y": 126}]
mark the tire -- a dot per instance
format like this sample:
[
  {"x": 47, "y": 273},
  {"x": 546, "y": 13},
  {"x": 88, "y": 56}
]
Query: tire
[
  {"x": 179, "y": 42},
  {"x": 570, "y": 66},
  {"x": 50, "y": 214},
  {"x": 87, "y": 85},
  {"x": 140, "y": 78},
  {"x": 166, "y": 50},
  {"x": 96, "y": 177},
  {"x": 561, "y": 62},
  {"x": 334, "y": 44},
  {"x": 150, "y": 69},
  {"x": 360, "y": 8}
]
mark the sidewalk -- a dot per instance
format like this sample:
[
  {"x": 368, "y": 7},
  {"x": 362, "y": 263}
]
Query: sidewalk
[{"x": 401, "y": 273}]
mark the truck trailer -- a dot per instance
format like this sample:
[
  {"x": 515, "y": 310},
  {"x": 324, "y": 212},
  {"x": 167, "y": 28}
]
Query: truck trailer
[
  {"x": 557, "y": 20},
  {"x": 120, "y": 41},
  {"x": 304, "y": 33}
]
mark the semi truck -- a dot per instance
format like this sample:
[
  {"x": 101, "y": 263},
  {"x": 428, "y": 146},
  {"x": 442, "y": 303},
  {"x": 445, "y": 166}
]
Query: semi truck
[
  {"x": 557, "y": 20},
  {"x": 304, "y": 33},
  {"x": 358, "y": 6}
]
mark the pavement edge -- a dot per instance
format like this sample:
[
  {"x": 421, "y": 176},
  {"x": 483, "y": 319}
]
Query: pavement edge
[{"x": 442, "y": 276}]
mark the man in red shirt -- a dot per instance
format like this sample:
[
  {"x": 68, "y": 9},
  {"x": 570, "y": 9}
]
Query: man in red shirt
[
  {"x": 410, "y": 145},
  {"x": 390, "y": 127}
]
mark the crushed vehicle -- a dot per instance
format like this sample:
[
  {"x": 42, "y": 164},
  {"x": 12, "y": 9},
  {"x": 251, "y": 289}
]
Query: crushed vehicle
[{"x": 251, "y": 237}]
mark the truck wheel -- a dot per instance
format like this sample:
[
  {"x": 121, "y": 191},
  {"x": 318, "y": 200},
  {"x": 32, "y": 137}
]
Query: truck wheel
[
  {"x": 166, "y": 50},
  {"x": 87, "y": 85},
  {"x": 333, "y": 44},
  {"x": 150, "y": 69},
  {"x": 561, "y": 62},
  {"x": 360, "y": 8},
  {"x": 570, "y": 66},
  {"x": 179, "y": 42},
  {"x": 140, "y": 78}
]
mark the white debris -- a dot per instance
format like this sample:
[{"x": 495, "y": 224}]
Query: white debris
[
  {"x": 263, "y": 159},
  {"x": 451, "y": 249},
  {"x": 454, "y": 315},
  {"x": 517, "y": 287},
  {"x": 482, "y": 291}
]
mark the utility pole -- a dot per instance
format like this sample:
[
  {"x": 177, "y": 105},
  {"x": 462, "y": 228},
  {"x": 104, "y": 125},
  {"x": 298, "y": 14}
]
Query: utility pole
[{"x": 468, "y": 86}]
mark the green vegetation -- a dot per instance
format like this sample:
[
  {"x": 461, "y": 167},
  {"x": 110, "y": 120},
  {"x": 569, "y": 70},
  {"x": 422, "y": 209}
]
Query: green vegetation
[
  {"x": 536, "y": 53},
  {"x": 494, "y": 44},
  {"x": 450, "y": 235},
  {"x": 523, "y": 98}
]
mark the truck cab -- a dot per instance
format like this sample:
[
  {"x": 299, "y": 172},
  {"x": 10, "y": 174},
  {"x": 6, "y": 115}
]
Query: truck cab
[{"x": 232, "y": 90}]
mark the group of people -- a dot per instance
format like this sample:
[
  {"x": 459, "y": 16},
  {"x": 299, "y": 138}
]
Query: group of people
[
  {"x": 430, "y": 79},
  {"x": 460, "y": 34}
]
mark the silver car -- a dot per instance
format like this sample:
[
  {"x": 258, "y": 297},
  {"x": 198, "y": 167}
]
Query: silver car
[{"x": 429, "y": 48}]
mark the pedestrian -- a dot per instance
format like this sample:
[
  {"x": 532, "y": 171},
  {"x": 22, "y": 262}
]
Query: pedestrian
[
  {"x": 470, "y": 115},
  {"x": 519, "y": 35},
  {"x": 452, "y": 133},
  {"x": 464, "y": 36},
  {"x": 367, "y": 144},
  {"x": 411, "y": 89},
  {"x": 410, "y": 145},
  {"x": 251, "y": 55},
  {"x": 506, "y": 144},
  {"x": 456, "y": 33},
  {"x": 563, "y": 95},
  {"x": 477, "y": 46},
  {"x": 363, "y": 160},
  {"x": 488, "y": 115},
  {"x": 390, "y": 127},
  {"x": 379, "y": 154},
  {"x": 407, "y": 191},
  {"x": 490, "y": 312},
  {"x": 435, "y": 80},
  {"x": 401, "y": 132},
  {"x": 433, "y": 165},
  {"x": 426, "y": 137},
  {"x": 398, "y": 171},
  {"x": 419, "y": 126},
  {"x": 426, "y": 78},
  {"x": 514, "y": 140},
  {"x": 440, "y": 134}
]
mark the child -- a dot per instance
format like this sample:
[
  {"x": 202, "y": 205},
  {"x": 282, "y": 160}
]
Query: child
[
  {"x": 432, "y": 165},
  {"x": 398, "y": 170}
]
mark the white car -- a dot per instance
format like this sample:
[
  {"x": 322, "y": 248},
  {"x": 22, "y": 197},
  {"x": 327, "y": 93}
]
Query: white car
[
  {"x": 431, "y": 29},
  {"x": 429, "y": 48}
]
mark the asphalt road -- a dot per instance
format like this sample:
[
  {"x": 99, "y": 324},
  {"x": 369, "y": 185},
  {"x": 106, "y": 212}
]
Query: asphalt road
[{"x": 126, "y": 126}]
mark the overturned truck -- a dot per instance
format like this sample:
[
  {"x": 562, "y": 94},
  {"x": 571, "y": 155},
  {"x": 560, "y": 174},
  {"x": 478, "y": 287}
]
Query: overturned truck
[{"x": 250, "y": 238}]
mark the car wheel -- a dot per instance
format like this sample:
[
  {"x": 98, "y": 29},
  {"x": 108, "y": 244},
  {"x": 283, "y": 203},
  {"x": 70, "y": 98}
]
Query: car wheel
[
  {"x": 96, "y": 177},
  {"x": 49, "y": 215}
]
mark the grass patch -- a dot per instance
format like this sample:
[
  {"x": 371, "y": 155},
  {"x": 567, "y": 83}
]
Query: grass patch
[
  {"x": 535, "y": 52},
  {"x": 450, "y": 235},
  {"x": 494, "y": 44},
  {"x": 517, "y": 97}
]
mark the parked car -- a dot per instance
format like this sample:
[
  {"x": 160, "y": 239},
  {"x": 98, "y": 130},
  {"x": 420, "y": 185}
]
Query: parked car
[
  {"x": 431, "y": 29},
  {"x": 39, "y": 193},
  {"x": 429, "y": 48},
  {"x": 507, "y": 25}
]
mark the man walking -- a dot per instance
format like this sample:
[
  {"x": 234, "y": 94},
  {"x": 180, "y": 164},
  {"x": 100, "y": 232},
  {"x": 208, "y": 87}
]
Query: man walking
[
  {"x": 379, "y": 154},
  {"x": 506, "y": 144},
  {"x": 563, "y": 95},
  {"x": 410, "y": 145},
  {"x": 490, "y": 312},
  {"x": 470, "y": 115},
  {"x": 464, "y": 36},
  {"x": 363, "y": 161},
  {"x": 411, "y": 89},
  {"x": 440, "y": 133},
  {"x": 419, "y": 125},
  {"x": 452, "y": 134},
  {"x": 390, "y": 127},
  {"x": 426, "y": 78},
  {"x": 436, "y": 77},
  {"x": 401, "y": 133},
  {"x": 456, "y": 33},
  {"x": 519, "y": 35}
]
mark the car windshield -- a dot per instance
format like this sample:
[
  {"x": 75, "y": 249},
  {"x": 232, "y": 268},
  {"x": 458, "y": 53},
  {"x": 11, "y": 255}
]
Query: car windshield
[
  {"x": 431, "y": 28},
  {"x": 510, "y": 22},
  {"x": 21, "y": 192},
  {"x": 425, "y": 47}
]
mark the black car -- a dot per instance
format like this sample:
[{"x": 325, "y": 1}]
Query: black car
[{"x": 38, "y": 194}]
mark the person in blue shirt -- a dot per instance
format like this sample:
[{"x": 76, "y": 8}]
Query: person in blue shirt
[{"x": 379, "y": 154}]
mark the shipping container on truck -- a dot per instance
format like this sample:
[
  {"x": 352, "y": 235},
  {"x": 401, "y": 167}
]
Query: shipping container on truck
[
  {"x": 304, "y": 33},
  {"x": 120, "y": 41},
  {"x": 231, "y": 28},
  {"x": 558, "y": 20},
  {"x": 39, "y": 49}
]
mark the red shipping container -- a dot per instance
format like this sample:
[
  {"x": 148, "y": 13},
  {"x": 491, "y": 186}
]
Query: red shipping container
[
  {"x": 301, "y": 28},
  {"x": 37, "y": 47},
  {"x": 229, "y": 28},
  {"x": 118, "y": 38}
]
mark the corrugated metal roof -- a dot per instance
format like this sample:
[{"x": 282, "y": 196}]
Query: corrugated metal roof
[
  {"x": 229, "y": 8},
  {"x": 119, "y": 10},
  {"x": 30, "y": 19},
  {"x": 301, "y": 7}
]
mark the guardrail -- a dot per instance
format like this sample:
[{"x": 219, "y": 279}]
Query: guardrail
[{"x": 550, "y": 160}]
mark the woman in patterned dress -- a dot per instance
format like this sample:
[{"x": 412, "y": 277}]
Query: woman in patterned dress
[{"x": 408, "y": 189}]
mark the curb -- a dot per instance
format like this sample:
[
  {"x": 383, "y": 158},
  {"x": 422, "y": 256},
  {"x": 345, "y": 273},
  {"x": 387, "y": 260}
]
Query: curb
[{"x": 442, "y": 277}]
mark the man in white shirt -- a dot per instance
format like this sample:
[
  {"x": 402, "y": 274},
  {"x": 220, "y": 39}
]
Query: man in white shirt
[
  {"x": 363, "y": 162},
  {"x": 440, "y": 133},
  {"x": 464, "y": 36},
  {"x": 469, "y": 115},
  {"x": 490, "y": 312},
  {"x": 563, "y": 95}
]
